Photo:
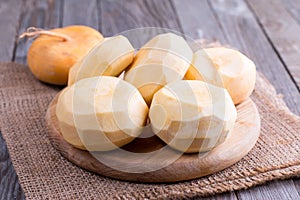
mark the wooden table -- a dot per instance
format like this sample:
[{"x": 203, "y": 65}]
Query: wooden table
[{"x": 268, "y": 31}]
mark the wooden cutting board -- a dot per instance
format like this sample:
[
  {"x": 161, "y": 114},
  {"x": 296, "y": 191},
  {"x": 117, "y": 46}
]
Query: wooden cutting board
[{"x": 137, "y": 162}]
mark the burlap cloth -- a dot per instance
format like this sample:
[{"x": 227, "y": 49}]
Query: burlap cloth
[{"x": 45, "y": 174}]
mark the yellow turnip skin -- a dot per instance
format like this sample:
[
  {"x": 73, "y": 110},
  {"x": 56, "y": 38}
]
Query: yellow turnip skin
[{"x": 50, "y": 57}]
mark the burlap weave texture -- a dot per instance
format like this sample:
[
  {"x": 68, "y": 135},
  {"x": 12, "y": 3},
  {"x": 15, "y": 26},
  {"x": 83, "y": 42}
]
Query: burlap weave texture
[{"x": 44, "y": 173}]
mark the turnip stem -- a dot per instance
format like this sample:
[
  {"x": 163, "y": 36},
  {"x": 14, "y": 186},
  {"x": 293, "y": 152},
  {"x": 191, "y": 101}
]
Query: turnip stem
[{"x": 33, "y": 31}]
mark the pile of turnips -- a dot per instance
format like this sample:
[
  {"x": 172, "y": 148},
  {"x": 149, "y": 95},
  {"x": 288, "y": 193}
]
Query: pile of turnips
[{"x": 188, "y": 97}]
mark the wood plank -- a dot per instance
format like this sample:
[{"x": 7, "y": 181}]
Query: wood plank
[
  {"x": 243, "y": 32},
  {"x": 9, "y": 22},
  {"x": 198, "y": 21},
  {"x": 273, "y": 190},
  {"x": 293, "y": 6},
  {"x": 150, "y": 18},
  {"x": 297, "y": 184},
  {"x": 9, "y": 184},
  {"x": 119, "y": 16},
  {"x": 283, "y": 31},
  {"x": 76, "y": 12},
  {"x": 38, "y": 13},
  {"x": 223, "y": 196}
]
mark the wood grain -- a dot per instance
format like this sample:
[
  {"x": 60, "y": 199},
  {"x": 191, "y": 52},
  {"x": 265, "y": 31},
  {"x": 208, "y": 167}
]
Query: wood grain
[
  {"x": 284, "y": 189},
  {"x": 135, "y": 167},
  {"x": 10, "y": 12},
  {"x": 76, "y": 12},
  {"x": 283, "y": 31},
  {"x": 198, "y": 20},
  {"x": 9, "y": 184},
  {"x": 38, "y": 13},
  {"x": 293, "y": 7},
  {"x": 118, "y": 16},
  {"x": 243, "y": 32},
  {"x": 297, "y": 185},
  {"x": 223, "y": 196}
]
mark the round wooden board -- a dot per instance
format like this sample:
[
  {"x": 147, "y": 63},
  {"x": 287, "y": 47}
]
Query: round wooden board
[{"x": 188, "y": 166}]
